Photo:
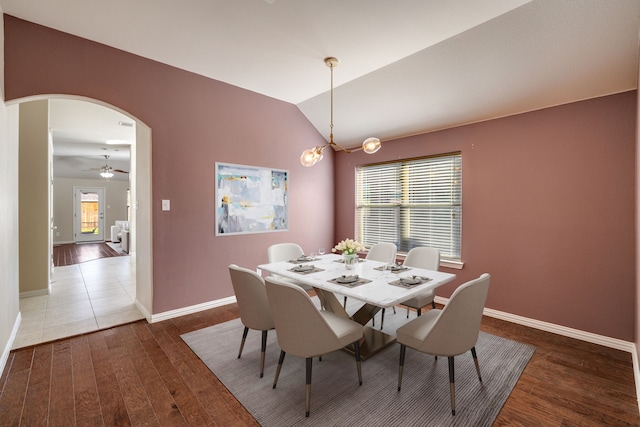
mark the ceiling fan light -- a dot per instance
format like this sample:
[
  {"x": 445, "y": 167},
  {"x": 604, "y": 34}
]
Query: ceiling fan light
[
  {"x": 371, "y": 145},
  {"x": 106, "y": 174}
]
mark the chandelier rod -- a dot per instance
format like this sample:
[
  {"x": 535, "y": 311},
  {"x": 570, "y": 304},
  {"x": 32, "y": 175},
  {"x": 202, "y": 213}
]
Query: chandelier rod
[{"x": 331, "y": 63}]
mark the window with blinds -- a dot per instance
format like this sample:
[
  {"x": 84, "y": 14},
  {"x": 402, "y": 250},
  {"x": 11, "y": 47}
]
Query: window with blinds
[{"x": 414, "y": 202}]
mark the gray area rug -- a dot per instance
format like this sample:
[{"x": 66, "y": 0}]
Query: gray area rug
[{"x": 336, "y": 398}]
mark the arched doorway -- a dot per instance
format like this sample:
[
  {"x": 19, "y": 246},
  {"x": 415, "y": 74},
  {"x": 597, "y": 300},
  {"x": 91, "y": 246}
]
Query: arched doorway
[{"x": 140, "y": 187}]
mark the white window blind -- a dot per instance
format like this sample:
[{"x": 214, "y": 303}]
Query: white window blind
[{"x": 414, "y": 202}]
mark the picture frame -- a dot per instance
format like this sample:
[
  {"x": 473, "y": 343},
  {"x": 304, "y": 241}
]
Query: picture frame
[{"x": 250, "y": 199}]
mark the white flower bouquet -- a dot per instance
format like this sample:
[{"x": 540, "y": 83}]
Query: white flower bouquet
[{"x": 348, "y": 247}]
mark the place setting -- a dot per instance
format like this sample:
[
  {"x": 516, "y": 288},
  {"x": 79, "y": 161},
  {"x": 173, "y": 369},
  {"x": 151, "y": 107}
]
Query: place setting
[
  {"x": 349, "y": 280},
  {"x": 304, "y": 258},
  {"x": 394, "y": 268},
  {"x": 410, "y": 281},
  {"x": 305, "y": 269}
]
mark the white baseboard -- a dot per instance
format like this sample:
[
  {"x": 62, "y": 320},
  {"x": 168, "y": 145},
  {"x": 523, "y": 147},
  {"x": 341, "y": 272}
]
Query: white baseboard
[
  {"x": 12, "y": 339},
  {"x": 143, "y": 310},
  {"x": 556, "y": 329},
  {"x": 37, "y": 293},
  {"x": 525, "y": 321},
  {"x": 190, "y": 310}
]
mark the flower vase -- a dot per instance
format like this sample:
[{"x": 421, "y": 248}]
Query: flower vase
[{"x": 350, "y": 261}]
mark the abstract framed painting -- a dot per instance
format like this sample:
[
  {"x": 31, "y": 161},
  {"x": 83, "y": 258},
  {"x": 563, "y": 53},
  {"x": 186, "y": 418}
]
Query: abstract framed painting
[{"x": 251, "y": 199}]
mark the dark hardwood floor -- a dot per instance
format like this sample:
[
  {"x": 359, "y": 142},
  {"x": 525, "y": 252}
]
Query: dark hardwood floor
[
  {"x": 69, "y": 254},
  {"x": 144, "y": 373}
]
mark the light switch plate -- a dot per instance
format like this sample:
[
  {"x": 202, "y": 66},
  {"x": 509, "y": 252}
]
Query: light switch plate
[{"x": 166, "y": 205}]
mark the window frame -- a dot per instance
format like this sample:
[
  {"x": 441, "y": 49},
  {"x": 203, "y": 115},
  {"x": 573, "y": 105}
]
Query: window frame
[{"x": 409, "y": 205}]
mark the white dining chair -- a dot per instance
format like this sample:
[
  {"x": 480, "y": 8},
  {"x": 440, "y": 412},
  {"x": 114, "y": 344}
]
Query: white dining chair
[
  {"x": 383, "y": 252},
  {"x": 448, "y": 332},
  {"x": 305, "y": 331},
  {"x": 253, "y": 305},
  {"x": 429, "y": 259},
  {"x": 285, "y": 252}
]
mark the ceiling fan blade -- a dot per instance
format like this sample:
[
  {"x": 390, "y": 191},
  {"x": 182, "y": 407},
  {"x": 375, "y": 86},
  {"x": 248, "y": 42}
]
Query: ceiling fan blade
[{"x": 119, "y": 170}]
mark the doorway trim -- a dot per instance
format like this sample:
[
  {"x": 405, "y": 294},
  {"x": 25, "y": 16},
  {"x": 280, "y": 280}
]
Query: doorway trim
[{"x": 141, "y": 248}]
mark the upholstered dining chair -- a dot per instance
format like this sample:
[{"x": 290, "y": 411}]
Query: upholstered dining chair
[
  {"x": 253, "y": 305},
  {"x": 383, "y": 252},
  {"x": 429, "y": 259},
  {"x": 448, "y": 332},
  {"x": 305, "y": 331},
  {"x": 285, "y": 252}
]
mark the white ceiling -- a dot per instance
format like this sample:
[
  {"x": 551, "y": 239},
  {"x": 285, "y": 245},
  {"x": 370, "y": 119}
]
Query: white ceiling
[
  {"x": 406, "y": 67},
  {"x": 83, "y": 133}
]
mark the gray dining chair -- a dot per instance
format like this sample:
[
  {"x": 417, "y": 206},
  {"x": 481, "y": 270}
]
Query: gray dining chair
[
  {"x": 305, "y": 331},
  {"x": 429, "y": 259},
  {"x": 255, "y": 312},
  {"x": 448, "y": 332}
]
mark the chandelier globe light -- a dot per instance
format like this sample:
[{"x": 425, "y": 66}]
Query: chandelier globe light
[
  {"x": 371, "y": 145},
  {"x": 313, "y": 155}
]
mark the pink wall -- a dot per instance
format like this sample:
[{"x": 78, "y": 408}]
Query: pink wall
[
  {"x": 549, "y": 196},
  {"x": 548, "y": 210},
  {"x": 195, "y": 122}
]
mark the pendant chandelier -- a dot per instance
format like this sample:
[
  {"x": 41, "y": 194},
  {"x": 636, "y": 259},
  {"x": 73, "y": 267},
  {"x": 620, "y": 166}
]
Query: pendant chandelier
[{"x": 313, "y": 155}]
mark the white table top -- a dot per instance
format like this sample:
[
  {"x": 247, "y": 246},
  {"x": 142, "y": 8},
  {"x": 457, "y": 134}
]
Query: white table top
[{"x": 377, "y": 292}]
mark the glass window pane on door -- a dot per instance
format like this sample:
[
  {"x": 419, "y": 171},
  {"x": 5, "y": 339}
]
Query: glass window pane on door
[{"x": 90, "y": 216}]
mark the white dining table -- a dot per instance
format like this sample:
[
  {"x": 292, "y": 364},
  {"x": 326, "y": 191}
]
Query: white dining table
[{"x": 377, "y": 293}]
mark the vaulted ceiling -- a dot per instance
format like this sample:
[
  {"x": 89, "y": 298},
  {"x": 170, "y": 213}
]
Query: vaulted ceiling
[{"x": 405, "y": 67}]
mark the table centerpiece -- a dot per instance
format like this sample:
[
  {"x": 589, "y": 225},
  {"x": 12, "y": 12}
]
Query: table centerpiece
[{"x": 349, "y": 249}]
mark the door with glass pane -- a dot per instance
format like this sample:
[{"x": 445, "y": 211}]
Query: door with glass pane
[{"x": 88, "y": 214}]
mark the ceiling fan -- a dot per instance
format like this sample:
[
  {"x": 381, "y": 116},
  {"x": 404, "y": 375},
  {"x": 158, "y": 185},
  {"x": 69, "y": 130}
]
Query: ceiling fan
[{"x": 107, "y": 171}]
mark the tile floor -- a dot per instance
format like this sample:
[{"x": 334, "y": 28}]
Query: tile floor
[{"x": 84, "y": 297}]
